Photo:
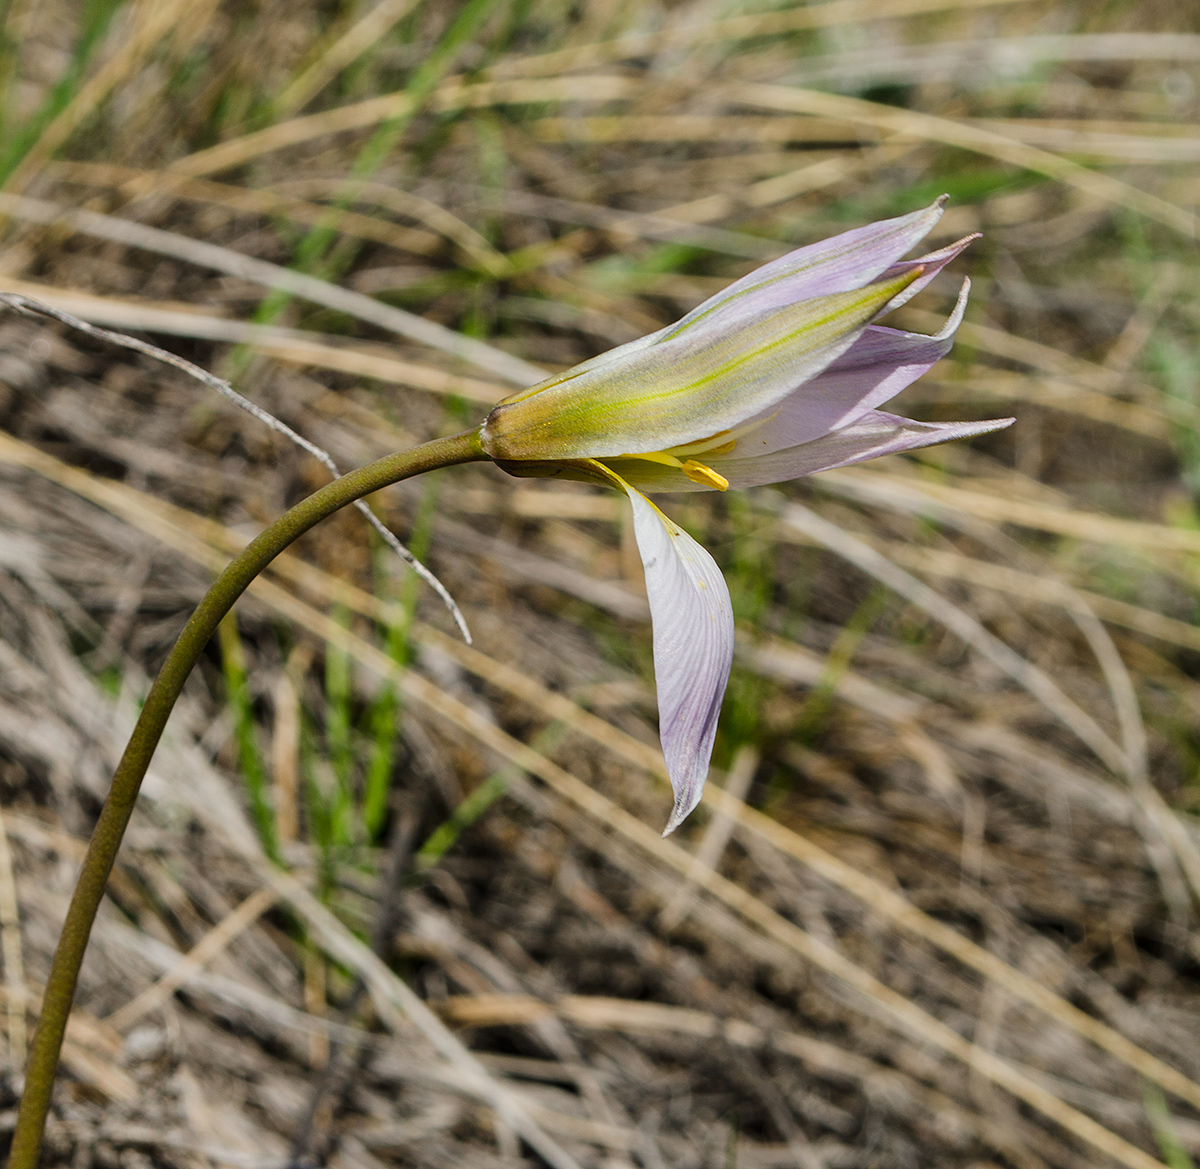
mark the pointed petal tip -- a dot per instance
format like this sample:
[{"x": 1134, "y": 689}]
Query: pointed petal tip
[
  {"x": 680, "y": 812},
  {"x": 936, "y": 260},
  {"x": 955, "y": 318},
  {"x": 939, "y": 432},
  {"x": 936, "y": 433}
]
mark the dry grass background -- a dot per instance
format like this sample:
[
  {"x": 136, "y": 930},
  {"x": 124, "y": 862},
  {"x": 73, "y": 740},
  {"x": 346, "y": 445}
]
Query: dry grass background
[{"x": 940, "y": 908}]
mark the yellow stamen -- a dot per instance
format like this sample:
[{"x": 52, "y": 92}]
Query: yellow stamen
[
  {"x": 657, "y": 457},
  {"x": 699, "y": 473},
  {"x": 696, "y": 472}
]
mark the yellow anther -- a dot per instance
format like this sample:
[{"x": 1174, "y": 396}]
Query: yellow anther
[
  {"x": 696, "y": 472},
  {"x": 699, "y": 473}
]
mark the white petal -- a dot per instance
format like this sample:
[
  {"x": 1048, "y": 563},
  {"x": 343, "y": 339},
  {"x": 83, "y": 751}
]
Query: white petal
[{"x": 693, "y": 647}]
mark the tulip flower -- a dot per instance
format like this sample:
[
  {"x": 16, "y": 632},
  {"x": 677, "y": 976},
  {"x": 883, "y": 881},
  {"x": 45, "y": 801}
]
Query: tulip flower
[{"x": 777, "y": 376}]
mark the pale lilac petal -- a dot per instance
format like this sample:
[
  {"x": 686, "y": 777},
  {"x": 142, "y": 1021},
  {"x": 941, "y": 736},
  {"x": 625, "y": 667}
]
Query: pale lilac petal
[
  {"x": 876, "y": 367},
  {"x": 693, "y": 647},
  {"x": 873, "y": 435},
  {"x": 741, "y": 355},
  {"x": 880, "y": 364},
  {"x": 844, "y": 262},
  {"x": 839, "y": 264}
]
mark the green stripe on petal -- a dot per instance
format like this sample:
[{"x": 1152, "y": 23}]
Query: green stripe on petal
[{"x": 710, "y": 379}]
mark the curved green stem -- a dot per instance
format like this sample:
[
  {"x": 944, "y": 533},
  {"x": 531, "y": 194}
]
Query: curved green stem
[{"x": 127, "y": 780}]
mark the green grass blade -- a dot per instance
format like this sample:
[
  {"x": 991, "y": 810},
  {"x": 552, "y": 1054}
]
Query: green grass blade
[
  {"x": 837, "y": 662},
  {"x": 1173, "y": 1150},
  {"x": 312, "y": 254},
  {"x": 446, "y": 834},
  {"x": 94, "y": 21},
  {"x": 385, "y": 711},
  {"x": 250, "y": 759},
  {"x": 339, "y": 736}
]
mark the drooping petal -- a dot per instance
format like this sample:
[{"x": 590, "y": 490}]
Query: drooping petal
[
  {"x": 873, "y": 435},
  {"x": 839, "y": 264},
  {"x": 712, "y": 378},
  {"x": 880, "y": 364},
  {"x": 693, "y": 647}
]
